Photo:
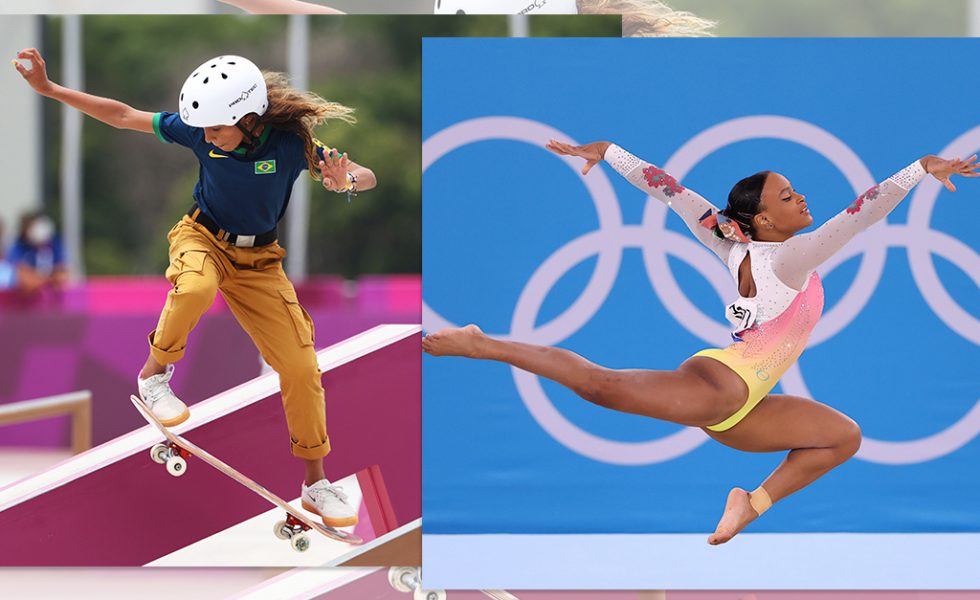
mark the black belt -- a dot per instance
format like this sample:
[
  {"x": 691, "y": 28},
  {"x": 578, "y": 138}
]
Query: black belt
[{"x": 242, "y": 241}]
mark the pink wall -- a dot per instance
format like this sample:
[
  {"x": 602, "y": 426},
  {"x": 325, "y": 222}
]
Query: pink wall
[{"x": 94, "y": 338}]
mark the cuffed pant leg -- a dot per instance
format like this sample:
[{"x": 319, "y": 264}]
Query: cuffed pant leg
[{"x": 265, "y": 304}]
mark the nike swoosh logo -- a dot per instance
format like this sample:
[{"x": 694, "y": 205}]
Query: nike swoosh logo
[{"x": 213, "y": 155}]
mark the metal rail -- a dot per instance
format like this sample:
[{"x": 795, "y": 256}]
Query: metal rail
[{"x": 78, "y": 405}]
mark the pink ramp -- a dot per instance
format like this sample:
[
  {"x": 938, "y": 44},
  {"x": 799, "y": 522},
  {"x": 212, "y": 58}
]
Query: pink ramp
[{"x": 113, "y": 506}]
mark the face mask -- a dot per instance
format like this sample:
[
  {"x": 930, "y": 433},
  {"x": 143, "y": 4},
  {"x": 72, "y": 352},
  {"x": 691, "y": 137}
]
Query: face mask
[
  {"x": 40, "y": 231},
  {"x": 506, "y": 7}
]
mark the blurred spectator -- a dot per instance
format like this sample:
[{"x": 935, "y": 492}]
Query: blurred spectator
[
  {"x": 6, "y": 269},
  {"x": 36, "y": 256}
]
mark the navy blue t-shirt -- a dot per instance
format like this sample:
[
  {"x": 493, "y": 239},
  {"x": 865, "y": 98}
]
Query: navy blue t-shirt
[{"x": 244, "y": 195}]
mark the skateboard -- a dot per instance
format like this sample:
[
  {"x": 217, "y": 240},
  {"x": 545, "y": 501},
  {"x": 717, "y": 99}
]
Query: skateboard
[
  {"x": 409, "y": 579},
  {"x": 177, "y": 450}
]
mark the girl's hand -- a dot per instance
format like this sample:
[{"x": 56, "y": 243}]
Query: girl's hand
[
  {"x": 37, "y": 75},
  {"x": 334, "y": 170},
  {"x": 592, "y": 153},
  {"x": 942, "y": 169}
]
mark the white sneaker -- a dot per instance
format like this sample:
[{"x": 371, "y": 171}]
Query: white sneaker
[
  {"x": 160, "y": 399},
  {"x": 330, "y": 502}
]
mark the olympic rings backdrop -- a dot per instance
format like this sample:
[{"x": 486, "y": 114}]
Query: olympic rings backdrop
[{"x": 517, "y": 241}]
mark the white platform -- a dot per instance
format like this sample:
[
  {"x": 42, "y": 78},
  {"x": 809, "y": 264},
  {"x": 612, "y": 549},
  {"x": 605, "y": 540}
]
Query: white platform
[
  {"x": 252, "y": 543},
  {"x": 305, "y": 583},
  {"x": 686, "y": 561},
  {"x": 18, "y": 463},
  {"x": 129, "y": 583}
]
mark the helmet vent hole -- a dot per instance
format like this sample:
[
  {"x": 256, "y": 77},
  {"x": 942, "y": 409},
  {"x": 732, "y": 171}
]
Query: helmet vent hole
[
  {"x": 214, "y": 65},
  {"x": 195, "y": 104},
  {"x": 223, "y": 76},
  {"x": 231, "y": 62},
  {"x": 181, "y": 97},
  {"x": 195, "y": 74},
  {"x": 206, "y": 79}
]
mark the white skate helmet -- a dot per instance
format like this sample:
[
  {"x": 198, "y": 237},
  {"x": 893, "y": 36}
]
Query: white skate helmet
[
  {"x": 506, "y": 7},
  {"x": 222, "y": 91}
]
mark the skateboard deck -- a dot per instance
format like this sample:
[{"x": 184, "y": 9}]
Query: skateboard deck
[{"x": 175, "y": 453}]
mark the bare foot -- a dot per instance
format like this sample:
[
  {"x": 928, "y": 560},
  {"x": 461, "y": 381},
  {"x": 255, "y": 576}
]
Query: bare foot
[
  {"x": 455, "y": 341},
  {"x": 738, "y": 513}
]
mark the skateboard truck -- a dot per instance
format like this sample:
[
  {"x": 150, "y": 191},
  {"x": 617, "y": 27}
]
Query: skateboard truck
[
  {"x": 293, "y": 529},
  {"x": 172, "y": 455},
  {"x": 409, "y": 579}
]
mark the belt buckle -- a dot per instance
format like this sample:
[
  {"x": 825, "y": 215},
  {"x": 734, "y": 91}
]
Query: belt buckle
[{"x": 245, "y": 241}]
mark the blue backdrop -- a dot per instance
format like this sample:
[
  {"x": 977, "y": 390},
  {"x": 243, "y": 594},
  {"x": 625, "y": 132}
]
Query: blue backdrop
[{"x": 517, "y": 242}]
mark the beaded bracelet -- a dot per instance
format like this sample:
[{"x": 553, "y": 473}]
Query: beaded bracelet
[{"x": 351, "y": 188}]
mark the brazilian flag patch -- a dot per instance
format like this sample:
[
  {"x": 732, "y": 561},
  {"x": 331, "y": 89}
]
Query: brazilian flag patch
[{"x": 265, "y": 167}]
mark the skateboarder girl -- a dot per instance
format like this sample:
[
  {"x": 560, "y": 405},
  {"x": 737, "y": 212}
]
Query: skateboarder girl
[{"x": 253, "y": 136}]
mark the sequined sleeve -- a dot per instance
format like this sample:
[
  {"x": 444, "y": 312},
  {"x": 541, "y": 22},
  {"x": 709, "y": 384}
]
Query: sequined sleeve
[
  {"x": 655, "y": 182},
  {"x": 801, "y": 254}
]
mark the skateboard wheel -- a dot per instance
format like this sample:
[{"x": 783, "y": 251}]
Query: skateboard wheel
[
  {"x": 159, "y": 453},
  {"x": 281, "y": 531},
  {"x": 421, "y": 594},
  {"x": 300, "y": 542},
  {"x": 403, "y": 579},
  {"x": 176, "y": 466}
]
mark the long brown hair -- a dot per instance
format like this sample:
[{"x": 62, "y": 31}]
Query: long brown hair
[
  {"x": 649, "y": 18},
  {"x": 300, "y": 113}
]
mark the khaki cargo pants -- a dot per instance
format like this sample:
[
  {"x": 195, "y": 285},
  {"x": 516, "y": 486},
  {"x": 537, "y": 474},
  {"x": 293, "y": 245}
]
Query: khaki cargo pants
[{"x": 263, "y": 300}]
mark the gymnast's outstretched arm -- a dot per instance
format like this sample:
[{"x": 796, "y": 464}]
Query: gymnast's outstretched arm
[
  {"x": 801, "y": 254},
  {"x": 653, "y": 181}
]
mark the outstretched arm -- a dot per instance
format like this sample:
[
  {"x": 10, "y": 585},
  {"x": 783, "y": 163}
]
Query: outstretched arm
[
  {"x": 653, "y": 181},
  {"x": 111, "y": 112},
  {"x": 335, "y": 166},
  {"x": 801, "y": 254},
  {"x": 282, "y": 7}
]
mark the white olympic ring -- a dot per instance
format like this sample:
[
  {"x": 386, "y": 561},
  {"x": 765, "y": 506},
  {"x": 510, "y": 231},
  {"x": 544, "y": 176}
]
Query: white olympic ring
[{"x": 656, "y": 242}]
